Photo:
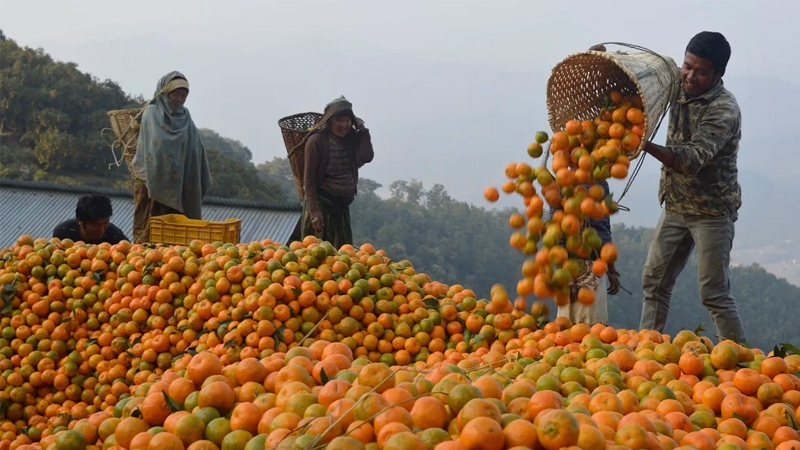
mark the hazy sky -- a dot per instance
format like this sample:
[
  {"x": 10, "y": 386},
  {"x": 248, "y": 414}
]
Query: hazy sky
[{"x": 512, "y": 35}]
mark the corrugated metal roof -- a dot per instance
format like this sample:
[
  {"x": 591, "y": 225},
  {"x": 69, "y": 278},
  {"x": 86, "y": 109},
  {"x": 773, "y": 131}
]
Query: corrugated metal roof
[{"x": 36, "y": 208}]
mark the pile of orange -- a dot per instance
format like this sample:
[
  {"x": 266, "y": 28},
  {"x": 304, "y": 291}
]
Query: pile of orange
[
  {"x": 82, "y": 324},
  {"x": 583, "y": 154},
  {"x": 263, "y": 346},
  {"x": 563, "y": 386}
]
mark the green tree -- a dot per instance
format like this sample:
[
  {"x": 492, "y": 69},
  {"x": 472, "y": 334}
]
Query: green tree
[
  {"x": 233, "y": 178},
  {"x": 279, "y": 171},
  {"x": 229, "y": 147},
  {"x": 55, "y": 111}
]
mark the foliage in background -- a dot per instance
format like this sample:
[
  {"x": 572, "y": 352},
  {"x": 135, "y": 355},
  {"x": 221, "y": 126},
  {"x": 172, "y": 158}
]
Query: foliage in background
[{"x": 51, "y": 118}]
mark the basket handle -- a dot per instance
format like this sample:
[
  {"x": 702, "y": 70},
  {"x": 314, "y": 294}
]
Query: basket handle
[
  {"x": 639, "y": 163},
  {"x": 117, "y": 142},
  {"x": 117, "y": 161},
  {"x": 634, "y": 47},
  {"x": 104, "y": 134}
]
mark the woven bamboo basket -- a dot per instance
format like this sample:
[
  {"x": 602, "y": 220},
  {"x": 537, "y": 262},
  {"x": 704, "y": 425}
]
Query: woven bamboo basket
[
  {"x": 577, "y": 82},
  {"x": 294, "y": 129},
  {"x": 125, "y": 124}
]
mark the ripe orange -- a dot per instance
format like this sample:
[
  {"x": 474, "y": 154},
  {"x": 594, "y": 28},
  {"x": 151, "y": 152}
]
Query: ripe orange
[
  {"x": 127, "y": 429},
  {"x": 599, "y": 268},
  {"x": 202, "y": 366},
  {"x": 573, "y": 127},
  {"x": 631, "y": 142},
  {"x": 635, "y": 116},
  {"x": 608, "y": 252},
  {"x": 516, "y": 220},
  {"x": 491, "y": 194},
  {"x": 586, "y": 296},
  {"x": 482, "y": 433},
  {"x": 557, "y": 429},
  {"x": 217, "y": 395}
]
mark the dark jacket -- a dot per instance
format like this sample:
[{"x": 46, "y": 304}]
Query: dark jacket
[{"x": 318, "y": 156}]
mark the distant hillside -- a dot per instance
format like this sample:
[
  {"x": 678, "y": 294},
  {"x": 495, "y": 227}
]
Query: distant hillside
[{"x": 51, "y": 118}]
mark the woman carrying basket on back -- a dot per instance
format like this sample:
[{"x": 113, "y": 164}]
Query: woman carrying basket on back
[
  {"x": 335, "y": 149},
  {"x": 171, "y": 173}
]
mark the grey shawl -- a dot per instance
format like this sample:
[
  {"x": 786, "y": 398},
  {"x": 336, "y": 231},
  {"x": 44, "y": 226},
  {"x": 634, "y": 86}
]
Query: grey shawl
[{"x": 171, "y": 154}]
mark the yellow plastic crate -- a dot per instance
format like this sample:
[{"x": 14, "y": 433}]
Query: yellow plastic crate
[{"x": 177, "y": 229}]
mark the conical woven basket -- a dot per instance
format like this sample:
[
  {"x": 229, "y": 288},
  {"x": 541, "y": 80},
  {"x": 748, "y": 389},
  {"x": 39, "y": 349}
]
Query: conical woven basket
[
  {"x": 125, "y": 124},
  {"x": 294, "y": 129},
  {"x": 577, "y": 82}
]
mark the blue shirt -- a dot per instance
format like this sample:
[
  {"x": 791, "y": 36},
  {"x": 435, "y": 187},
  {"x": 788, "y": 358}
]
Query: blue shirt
[{"x": 602, "y": 226}]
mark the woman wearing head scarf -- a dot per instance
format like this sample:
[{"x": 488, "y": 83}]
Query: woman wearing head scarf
[
  {"x": 171, "y": 173},
  {"x": 334, "y": 151}
]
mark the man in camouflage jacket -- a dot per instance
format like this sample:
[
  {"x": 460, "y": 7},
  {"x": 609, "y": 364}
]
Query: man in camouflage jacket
[{"x": 699, "y": 190}]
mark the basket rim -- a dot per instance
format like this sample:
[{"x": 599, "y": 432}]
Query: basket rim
[
  {"x": 163, "y": 217},
  {"x": 117, "y": 112},
  {"x": 283, "y": 119},
  {"x": 608, "y": 56}
]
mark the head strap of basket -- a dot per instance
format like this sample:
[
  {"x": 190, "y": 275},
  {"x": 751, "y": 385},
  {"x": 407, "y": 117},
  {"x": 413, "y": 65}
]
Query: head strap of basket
[
  {"x": 338, "y": 107},
  {"x": 577, "y": 82}
]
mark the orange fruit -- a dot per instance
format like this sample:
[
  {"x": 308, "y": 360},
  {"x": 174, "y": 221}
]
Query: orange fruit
[
  {"x": 165, "y": 441},
  {"x": 635, "y": 116},
  {"x": 591, "y": 438},
  {"x": 250, "y": 369},
  {"x": 616, "y": 130},
  {"x": 217, "y": 395},
  {"x": 630, "y": 142},
  {"x": 520, "y": 433},
  {"x": 557, "y": 429},
  {"x": 573, "y": 127},
  {"x": 482, "y": 433},
  {"x": 189, "y": 429},
  {"x": 154, "y": 409},
  {"x": 586, "y": 296},
  {"x": 245, "y": 416},
  {"x": 632, "y": 436},
  {"x": 128, "y": 428},
  {"x": 491, "y": 194},
  {"x": 202, "y": 366}
]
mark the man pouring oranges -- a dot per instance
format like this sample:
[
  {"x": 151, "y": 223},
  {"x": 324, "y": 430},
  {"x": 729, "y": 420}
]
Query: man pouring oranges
[{"x": 699, "y": 190}]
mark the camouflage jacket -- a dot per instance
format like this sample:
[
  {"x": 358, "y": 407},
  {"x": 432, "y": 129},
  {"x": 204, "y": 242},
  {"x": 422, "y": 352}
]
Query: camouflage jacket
[{"x": 704, "y": 134}]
